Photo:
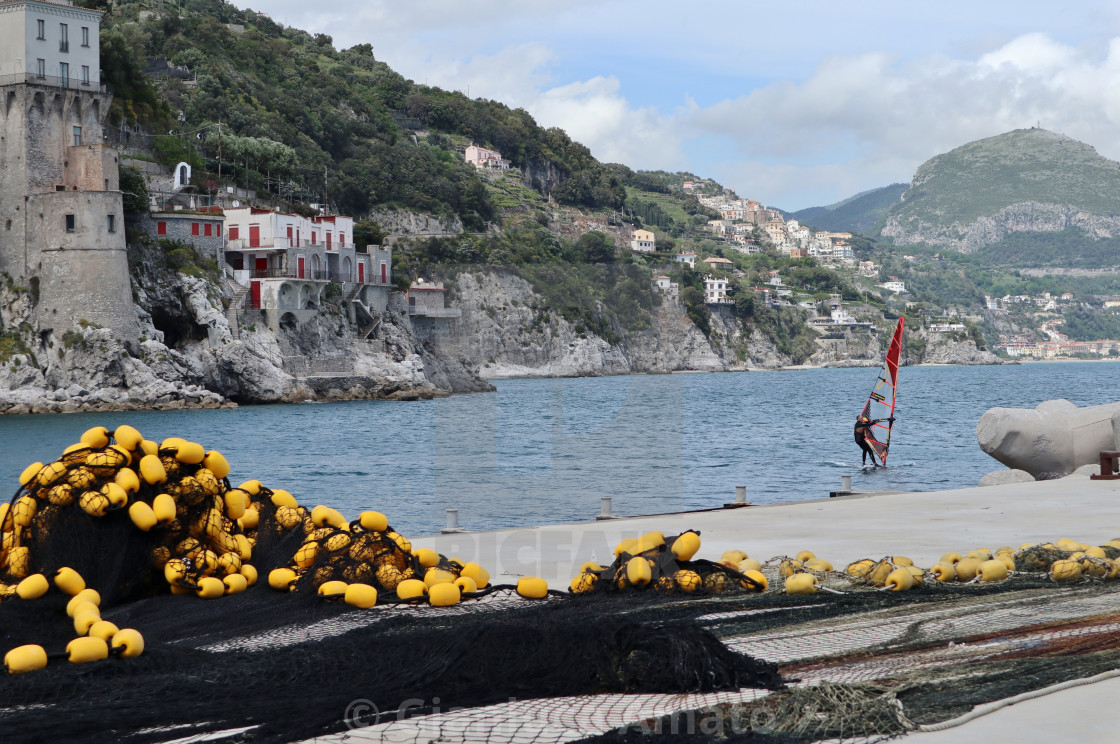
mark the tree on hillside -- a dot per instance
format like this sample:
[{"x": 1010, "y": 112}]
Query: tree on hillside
[{"x": 596, "y": 247}]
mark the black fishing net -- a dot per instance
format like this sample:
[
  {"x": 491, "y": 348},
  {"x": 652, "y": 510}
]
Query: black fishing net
[{"x": 658, "y": 646}]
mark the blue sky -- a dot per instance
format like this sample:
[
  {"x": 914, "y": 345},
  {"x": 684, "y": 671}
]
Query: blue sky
[{"x": 796, "y": 104}]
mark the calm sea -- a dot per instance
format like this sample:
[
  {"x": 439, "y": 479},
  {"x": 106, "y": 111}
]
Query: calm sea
[{"x": 543, "y": 451}]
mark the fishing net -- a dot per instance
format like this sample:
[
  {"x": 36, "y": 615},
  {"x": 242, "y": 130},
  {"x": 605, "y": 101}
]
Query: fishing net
[{"x": 660, "y": 645}]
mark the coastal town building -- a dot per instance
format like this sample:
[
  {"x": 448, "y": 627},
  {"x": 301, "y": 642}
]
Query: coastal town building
[
  {"x": 642, "y": 241},
  {"x": 485, "y": 159},
  {"x": 62, "y": 229},
  {"x": 287, "y": 261},
  {"x": 716, "y": 262},
  {"x": 715, "y": 291},
  {"x": 670, "y": 289},
  {"x": 204, "y": 230},
  {"x": 688, "y": 258},
  {"x": 428, "y": 312},
  {"x": 894, "y": 285}
]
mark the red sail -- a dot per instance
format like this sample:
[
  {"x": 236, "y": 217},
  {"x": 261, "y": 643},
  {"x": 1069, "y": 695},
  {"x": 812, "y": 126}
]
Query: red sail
[{"x": 880, "y": 404}]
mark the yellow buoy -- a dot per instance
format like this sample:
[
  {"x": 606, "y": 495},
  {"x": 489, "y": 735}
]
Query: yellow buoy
[
  {"x": 427, "y": 557},
  {"x": 480, "y": 575},
  {"x": 253, "y": 487},
  {"x": 324, "y": 516},
  {"x": 142, "y": 516},
  {"x": 229, "y": 563},
  {"x": 235, "y": 583},
  {"x": 758, "y": 577},
  {"x": 733, "y": 556},
  {"x": 25, "y": 659},
  {"x": 116, "y": 495},
  {"x": 210, "y": 587},
  {"x": 801, "y": 583},
  {"x": 127, "y": 436},
  {"x": 250, "y": 519},
  {"x": 686, "y": 546},
  {"x": 533, "y": 587},
  {"x": 328, "y": 588},
  {"x": 411, "y": 589},
  {"x": 818, "y": 564},
  {"x": 148, "y": 447},
  {"x": 152, "y": 470},
  {"x": 805, "y": 556},
  {"x": 69, "y": 581},
  {"x": 749, "y": 564},
  {"x": 650, "y": 540},
  {"x": 33, "y": 587},
  {"x": 190, "y": 453},
  {"x": 127, "y": 479},
  {"x": 216, "y": 463},
  {"x": 1067, "y": 571},
  {"x": 899, "y": 580},
  {"x": 467, "y": 586},
  {"x": 236, "y": 502},
  {"x": 85, "y": 595},
  {"x": 993, "y": 570},
  {"x": 19, "y": 561},
  {"x": 789, "y": 567},
  {"x": 943, "y": 572},
  {"x": 951, "y": 558},
  {"x": 583, "y": 582},
  {"x": 374, "y": 521},
  {"x": 305, "y": 554},
  {"x": 1069, "y": 546},
  {"x": 629, "y": 545},
  {"x": 249, "y": 572},
  {"x": 443, "y": 595},
  {"x": 103, "y": 629},
  {"x": 967, "y": 568},
  {"x": 129, "y": 641},
  {"x": 50, "y": 473},
  {"x": 638, "y": 571},
  {"x": 24, "y": 511},
  {"x": 61, "y": 494},
  {"x": 281, "y": 578},
  {"x": 30, "y": 472},
  {"x": 85, "y": 615},
  {"x": 244, "y": 547},
  {"x": 280, "y": 497},
  {"x": 1007, "y": 559},
  {"x": 163, "y": 509},
  {"x": 95, "y": 438},
  {"x": 860, "y": 569},
  {"x": 360, "y": 595},
  {"x": 1095, "y": 551},
  {"x": 435, "y": 576}
]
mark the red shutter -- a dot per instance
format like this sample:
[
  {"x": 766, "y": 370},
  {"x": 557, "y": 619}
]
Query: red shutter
[
  {"x": 299, "y": 266},
  {"x": 255, "y": 294},
  {"x": 328, "y": 241},
  {"x": 194, "y": 228},
  {"x": 342, "y": 240},
  {"x": 208, "y": 229},
  {"x": 218, "y": 229},
  {"x": 254, "y": 236},
  {"x": 383, "y": 279},
  {"x": 233, "y": 232},
  {"x": 161, "y": 228},
  {"x": 361, "y": 272}
]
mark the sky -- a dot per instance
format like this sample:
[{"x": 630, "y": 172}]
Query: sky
[{"x": 796, "y": 104}]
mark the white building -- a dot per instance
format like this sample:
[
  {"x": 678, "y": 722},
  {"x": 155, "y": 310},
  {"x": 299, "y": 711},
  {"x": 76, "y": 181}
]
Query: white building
[
  {"x": 715, "y": 291},
  {"x": 50, "y": 42},
  {"x": 668, "y": 288},
  {"x": 894, "y": 286},
  {"x": 688, "y": 258}
]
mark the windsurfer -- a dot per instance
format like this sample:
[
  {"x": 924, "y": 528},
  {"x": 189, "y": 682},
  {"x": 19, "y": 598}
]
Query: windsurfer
[{"x": 863, "y": 433}]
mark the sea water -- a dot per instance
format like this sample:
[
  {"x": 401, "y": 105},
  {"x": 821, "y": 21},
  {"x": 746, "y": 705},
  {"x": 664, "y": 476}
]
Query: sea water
[{"x": 544, "y": 451}]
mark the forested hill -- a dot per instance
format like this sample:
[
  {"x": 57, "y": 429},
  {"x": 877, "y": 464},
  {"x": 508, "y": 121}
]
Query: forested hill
[{"x": 296, "y": 106}]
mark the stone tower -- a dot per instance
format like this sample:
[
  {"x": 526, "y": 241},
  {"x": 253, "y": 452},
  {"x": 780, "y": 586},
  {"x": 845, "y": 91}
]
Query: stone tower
[{"x": 61, "y": 213}]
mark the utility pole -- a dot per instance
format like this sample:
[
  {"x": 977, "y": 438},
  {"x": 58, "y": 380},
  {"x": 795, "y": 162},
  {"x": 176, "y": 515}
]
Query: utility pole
[
  {"x": 324, "y": 189},
  {"x": 219, "y": 153}
]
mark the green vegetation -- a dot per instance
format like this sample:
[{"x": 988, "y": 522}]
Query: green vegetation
[
  {"x": 1084, "y": 325},
  {"x": 293, "y": 109},
  {"x": 1070, "y": 248},
  {"x": 182, "y": 257}
]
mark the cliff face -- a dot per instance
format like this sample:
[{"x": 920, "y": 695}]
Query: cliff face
[
  {"x": 505, "y": 333},
  {"x": 949, "y": 348},
  {"x": 969, "y": 237}
]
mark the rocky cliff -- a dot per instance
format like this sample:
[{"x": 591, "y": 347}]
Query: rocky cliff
[
  {"x": 946, "y": 348},
  {"x": 507, "y": 332}
]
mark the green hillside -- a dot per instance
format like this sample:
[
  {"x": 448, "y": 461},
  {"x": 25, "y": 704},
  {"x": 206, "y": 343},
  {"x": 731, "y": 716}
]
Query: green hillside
[
  {"x": 293, "y": 108},
  {"x": 861, "y": 213},
  {"x": 981, "y": 178}
]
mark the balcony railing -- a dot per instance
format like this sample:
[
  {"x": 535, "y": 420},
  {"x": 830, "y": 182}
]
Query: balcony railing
[
  {"x": 321, "y": 276},
  {"x": 53, "y": 81}
]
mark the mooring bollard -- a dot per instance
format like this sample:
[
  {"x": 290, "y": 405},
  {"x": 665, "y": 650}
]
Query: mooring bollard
[
  {"x": 846, "y": 483},
  {"x": 740, "y": 498},
  {"x": 605, "y": 509},
  {"x": 452, "y": 522}
]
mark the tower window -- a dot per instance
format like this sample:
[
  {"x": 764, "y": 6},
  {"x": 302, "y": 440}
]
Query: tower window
[
  {"x": 112, "y": 223},
  {"x": 41, "y": 68},
  {"x": 70, "y": 223},
  {"x": 42, "y": 27},
  {"x": 85, "y": 36},
  {"x": 85, "y": 74},
  {"x": 77, "y": 136},
  {"x": 63, "y": 38},
  {"x": 64, "y": 74}
]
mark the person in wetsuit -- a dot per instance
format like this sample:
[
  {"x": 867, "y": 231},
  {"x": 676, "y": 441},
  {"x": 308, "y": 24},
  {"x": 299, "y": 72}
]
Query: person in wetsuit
[{"x": 862, "y": 433}]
